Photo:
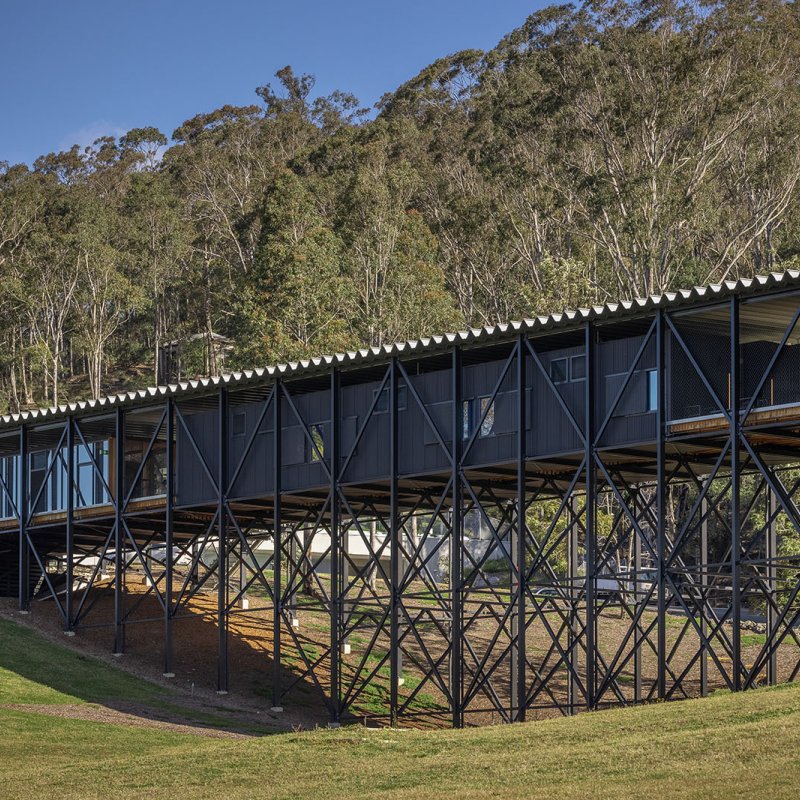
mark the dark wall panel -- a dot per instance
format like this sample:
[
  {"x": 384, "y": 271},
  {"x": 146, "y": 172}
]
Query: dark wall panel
[{"x": 306, "y": 417}]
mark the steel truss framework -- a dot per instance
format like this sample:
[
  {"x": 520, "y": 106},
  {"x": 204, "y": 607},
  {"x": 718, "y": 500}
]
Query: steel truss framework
[{"x": 426, "y": 627}]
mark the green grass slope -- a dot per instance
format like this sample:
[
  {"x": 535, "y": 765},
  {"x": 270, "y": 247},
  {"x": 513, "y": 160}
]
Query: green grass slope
[{"x": 726, "y": 746}]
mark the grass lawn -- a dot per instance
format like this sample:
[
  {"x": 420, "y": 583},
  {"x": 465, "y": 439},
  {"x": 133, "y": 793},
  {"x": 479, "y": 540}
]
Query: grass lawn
[{"x": 723, "y": 747}]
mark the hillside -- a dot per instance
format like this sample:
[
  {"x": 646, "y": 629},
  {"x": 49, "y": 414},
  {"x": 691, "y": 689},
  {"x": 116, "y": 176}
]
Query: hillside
[{"x": 729, "y": 746}]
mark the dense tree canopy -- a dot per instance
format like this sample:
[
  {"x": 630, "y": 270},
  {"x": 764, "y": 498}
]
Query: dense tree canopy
[{"x": 607, "y": 150}]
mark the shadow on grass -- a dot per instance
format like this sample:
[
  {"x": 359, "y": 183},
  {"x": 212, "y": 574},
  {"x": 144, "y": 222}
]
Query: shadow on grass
[{"x": 37, "y": 671}]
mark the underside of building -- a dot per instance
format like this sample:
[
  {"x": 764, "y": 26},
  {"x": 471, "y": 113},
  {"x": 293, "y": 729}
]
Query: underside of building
[{"x": 591, "y": 509}]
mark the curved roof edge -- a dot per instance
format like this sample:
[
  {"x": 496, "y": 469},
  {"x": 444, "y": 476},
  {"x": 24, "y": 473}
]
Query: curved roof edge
[{"x": 499, "y": 332}]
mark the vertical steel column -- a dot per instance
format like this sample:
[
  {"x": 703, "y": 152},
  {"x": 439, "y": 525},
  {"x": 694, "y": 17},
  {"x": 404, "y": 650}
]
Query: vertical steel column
[
  {"x": 394, "y": 543},
  {"x": 344, "y": 581},
  {"x": 291, "y": 600},
  {"x": 736, "y": 599},
  {"x": 277, "y": 590},
  {"x": 119, "y": 551},
  {"x": 336, "y": 556},
  {"x": 574, "y": 596},
  {"x": 772, "y": 583},
  {"x": 222, "y": 561},
  {"x": 704, "y": 595},
  {"x": 591, "y": 529},
  {"x": 456, "y": 557},
  {"x": 661, "y": 508},
  {"x": 518, "y": 627},
  {"x": 169, "y": 522},
  {"x": 70, "y": 527},
  {"x": 638, "y": 595},
  {"x": 24, "y": 588}
]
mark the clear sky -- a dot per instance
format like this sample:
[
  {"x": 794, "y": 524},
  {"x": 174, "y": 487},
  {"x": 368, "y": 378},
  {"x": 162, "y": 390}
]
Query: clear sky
[{"x": 73, "y": 70}]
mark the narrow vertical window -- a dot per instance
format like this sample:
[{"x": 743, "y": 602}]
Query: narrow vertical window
[
  {"x": 487, "y": 408},
  {"x": 317, "y": 444},
  {"x": 652, "y": 390},
  {"x": 468, "y": 420},
  {"x": 239, "y": 424},
  {"x": 559, "y": 370}
]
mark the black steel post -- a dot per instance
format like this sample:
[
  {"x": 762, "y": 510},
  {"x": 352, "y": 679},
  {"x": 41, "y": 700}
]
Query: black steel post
[
  {"x": 591, "y": 528},
  {"x": 704, "y": 596},
  {"x": 292, "y": 567},
  {"x": 119, "y": 551},
  {"x": 23, "y": 512},
  {"x": 169, "y": 523},
  {"x": 222, "y": 550},
  {"x": 335, "y": 554},
  {"x": 638, "y": 594},
  {"x": 344, "y": 581},
  {"x": 736, "y": 601},
  {"x": 456, "y": 544},
  {"x": 394, "y": 551},
  {"x": 70, "y": 528},
  {"x": 277, "y": 589},
  {"x": 772, "y": 583},
  {"x": 574, "y": 597},
  {"x": 518, "y": 626},
  {"x": 661, "y": 509}
]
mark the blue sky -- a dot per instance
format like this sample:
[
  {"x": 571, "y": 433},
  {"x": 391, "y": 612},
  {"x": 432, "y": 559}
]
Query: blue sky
[{"x": 73, "y": 70}]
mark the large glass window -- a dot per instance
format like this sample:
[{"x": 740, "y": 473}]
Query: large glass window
[
  {"x": 9, "y": 472},
  {"x": 38, "y": 473},
  {"x": 153, "y": 480}
]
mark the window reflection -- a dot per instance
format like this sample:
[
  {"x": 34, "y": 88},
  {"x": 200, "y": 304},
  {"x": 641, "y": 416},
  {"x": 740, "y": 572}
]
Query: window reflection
[{"x": 487, "y": 408}]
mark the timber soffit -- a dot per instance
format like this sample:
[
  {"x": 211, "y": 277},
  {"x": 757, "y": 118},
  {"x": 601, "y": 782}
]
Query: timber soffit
[{"x": 374, "y": 355}]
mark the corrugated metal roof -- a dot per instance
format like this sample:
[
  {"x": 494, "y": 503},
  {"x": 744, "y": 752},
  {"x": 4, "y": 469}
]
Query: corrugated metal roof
[{"x": 473, "y": 336}]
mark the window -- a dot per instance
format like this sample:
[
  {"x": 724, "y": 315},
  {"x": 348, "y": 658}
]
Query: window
[
  {"x": 467, "y": 418},
  {"x": 559, "y": 370},
  {"x": 382, "y": 406},
  {"x": 84, "y": 476},
  {"x": 316, "y": 447},
  {"x": 568, "y": 370},
  {"x": 486, "y": 407},
  {"x": 652, "y": 389},
  {"x": 640, "y": 394},
  {"x": 153, "y": 478},
  {"x": 8, "y": 469},
  {"x": 38, "y": 462},
  {"x": 239, "y": 423},
  {"x": 577, "y": 366}
]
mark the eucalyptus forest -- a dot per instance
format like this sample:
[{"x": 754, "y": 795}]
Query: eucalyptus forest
[{"x": 596, "y": 153}]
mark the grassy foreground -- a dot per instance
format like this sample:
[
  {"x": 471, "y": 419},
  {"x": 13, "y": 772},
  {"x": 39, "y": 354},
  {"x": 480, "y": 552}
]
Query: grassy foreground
[{"x": 725, "y": 746}]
